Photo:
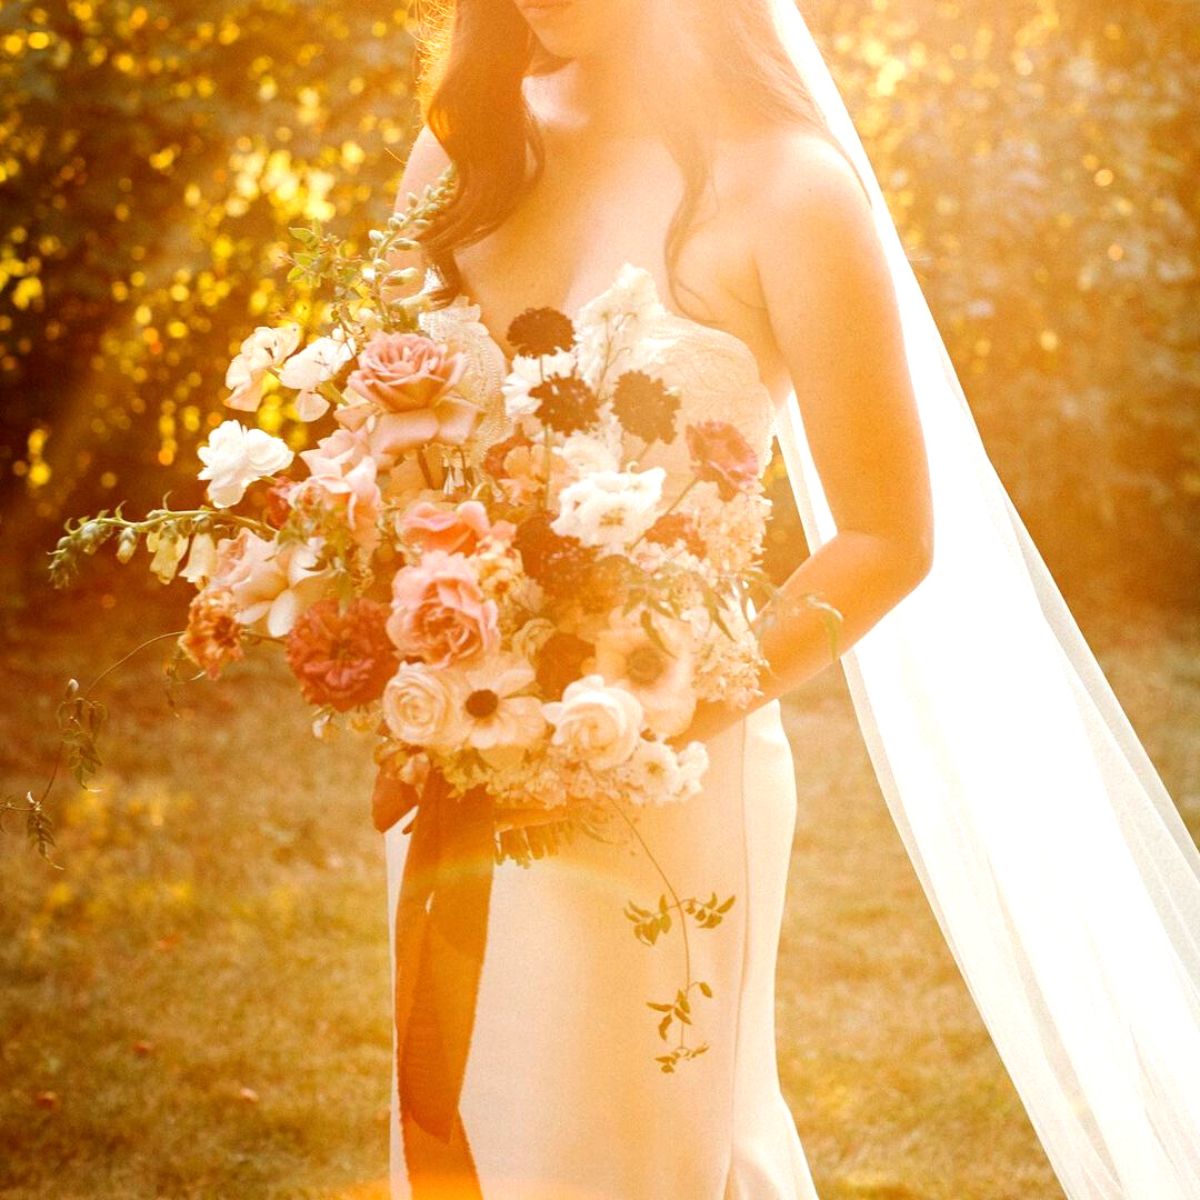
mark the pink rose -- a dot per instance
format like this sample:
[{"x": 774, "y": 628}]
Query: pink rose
[
  {"x": 430, "y": 526},
  {"x": 722, "y": 455},
  {"x": 342, "y": 484},
  {"x": 409, "y": 379},
  {"x": 439, "y": 611}
]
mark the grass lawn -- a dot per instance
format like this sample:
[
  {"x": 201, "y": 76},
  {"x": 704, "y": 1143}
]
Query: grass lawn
[{"x": 196, "y": 1005}]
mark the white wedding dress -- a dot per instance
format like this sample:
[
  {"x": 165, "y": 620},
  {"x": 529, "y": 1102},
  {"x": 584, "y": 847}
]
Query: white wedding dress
[{"x": 562, "y": 1098}]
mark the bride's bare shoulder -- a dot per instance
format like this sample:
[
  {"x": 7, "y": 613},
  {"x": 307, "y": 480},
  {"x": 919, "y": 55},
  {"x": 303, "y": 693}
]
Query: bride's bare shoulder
[
  {"x": 425, "y": 163},
  {"x": 795, "y": 173}
]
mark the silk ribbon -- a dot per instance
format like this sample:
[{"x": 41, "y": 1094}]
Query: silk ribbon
[{"x": 441, "y": 932}]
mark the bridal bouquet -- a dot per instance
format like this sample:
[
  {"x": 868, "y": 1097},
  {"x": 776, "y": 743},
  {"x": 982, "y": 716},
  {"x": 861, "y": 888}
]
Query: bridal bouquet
[
  {"x": 482, "y": 567},
  {"x": 490, "y": 580}
]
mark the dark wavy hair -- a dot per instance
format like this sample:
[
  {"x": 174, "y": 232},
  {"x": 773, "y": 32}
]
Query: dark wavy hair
[{"x": 472, "y": 58}]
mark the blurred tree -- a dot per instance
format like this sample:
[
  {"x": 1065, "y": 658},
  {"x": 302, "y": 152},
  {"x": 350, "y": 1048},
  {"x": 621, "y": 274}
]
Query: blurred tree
[
  {"x": 152, "y": 157},
  {"x": 1040, "y": 156}
]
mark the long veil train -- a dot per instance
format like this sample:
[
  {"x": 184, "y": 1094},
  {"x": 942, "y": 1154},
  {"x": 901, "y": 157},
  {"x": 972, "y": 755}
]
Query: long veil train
[{"x": 1064, "y": 880}]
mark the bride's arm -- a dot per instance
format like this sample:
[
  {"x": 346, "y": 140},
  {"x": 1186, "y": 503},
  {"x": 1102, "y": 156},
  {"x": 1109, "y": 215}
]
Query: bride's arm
[{"x": 829, "y": 297}]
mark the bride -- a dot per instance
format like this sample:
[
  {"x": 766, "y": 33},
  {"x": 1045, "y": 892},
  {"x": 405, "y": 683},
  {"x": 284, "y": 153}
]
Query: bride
[{"x": 697, "y": 150}]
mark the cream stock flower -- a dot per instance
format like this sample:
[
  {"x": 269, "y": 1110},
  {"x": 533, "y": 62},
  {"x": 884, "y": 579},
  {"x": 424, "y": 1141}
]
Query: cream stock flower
[
  {"x": 234, "y": 457},
  {"x": 260, "y": 351},
  {"x": 595, "y": 723}
]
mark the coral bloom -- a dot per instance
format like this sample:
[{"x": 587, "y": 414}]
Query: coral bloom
[
  {"x": 439, "y": 611},
  {"x": 342, "y": 657},
  {"x": 721, "y": 455},
  {"x": 214, "y": 634},
  {"x": 410, "y": 379}
]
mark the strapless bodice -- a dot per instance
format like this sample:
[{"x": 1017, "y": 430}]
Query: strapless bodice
[{"x": 715, "y": 371}]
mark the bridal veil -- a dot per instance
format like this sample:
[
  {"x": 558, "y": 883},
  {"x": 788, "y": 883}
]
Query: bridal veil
[{"x": 1063, "y": 879}]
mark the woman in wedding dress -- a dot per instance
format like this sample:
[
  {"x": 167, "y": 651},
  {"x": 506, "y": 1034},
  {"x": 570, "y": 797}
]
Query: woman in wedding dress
[
  {"x": 787, "y": 288},
  {"x": 697, "y": 149}
]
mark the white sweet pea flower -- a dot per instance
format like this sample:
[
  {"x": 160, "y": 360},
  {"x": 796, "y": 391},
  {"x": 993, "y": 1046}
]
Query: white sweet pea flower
[
  {"x": 316, "y": 364},
  {"x": 263, "y": 349},
  {"x": 526, "y": 372},
  {"x": 234, "y": 457},
  {"x": 610, "y": 508}
]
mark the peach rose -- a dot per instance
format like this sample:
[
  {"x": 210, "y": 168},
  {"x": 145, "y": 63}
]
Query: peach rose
[
  {"x": 431, "y": 526},
  {"x": 440, "y": 613},
  {"x": 409, "y": 379},
  {"x": 343, "y": 481}
]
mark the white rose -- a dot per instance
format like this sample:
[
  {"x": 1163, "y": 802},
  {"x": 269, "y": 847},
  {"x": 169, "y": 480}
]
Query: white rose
[
  {"x": 595, "y": 723},
  {"x": 610, "y": 508},
  {"x": 263, "y": 349},
  {"x": 422, "y": 708},
  {"x": 316, "y": 364},
  {"x": 526, "y": 372},
  {"x": 234, "y": 457}
]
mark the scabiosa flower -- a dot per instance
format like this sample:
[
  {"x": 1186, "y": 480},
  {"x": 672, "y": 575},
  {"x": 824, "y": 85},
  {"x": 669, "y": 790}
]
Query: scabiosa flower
[
  {"x": 678, "y": 527},
  {"x": 549, "y": 558},
  {"x": 540, "y": 331},
  {"x": 560, "y": 662},
  {"x": 607, "y": 583},
  {"x": 214, "y": 634},
  {"x": 645, "y": 406},
  {"x": 565, "y": 403},
  {"x": 721, "y": 455},
  {"x": 342, "y": 657}
]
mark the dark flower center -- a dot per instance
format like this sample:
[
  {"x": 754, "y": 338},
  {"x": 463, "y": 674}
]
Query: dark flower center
[
  {"x": 482, "y": 703},
  {"x": 645, "y": 665}
]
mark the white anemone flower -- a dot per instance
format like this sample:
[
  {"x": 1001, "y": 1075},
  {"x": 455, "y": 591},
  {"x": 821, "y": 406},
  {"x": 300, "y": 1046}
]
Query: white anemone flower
[{"x": 495, "y": 713}]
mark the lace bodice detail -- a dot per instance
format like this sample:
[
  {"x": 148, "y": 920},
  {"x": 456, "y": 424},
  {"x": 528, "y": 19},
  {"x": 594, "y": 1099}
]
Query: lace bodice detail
[{"x": 716, "y": 373}]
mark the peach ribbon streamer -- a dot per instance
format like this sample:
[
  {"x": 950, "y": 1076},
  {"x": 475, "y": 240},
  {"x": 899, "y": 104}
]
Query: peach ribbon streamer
[{"x": 441, "y": 932}]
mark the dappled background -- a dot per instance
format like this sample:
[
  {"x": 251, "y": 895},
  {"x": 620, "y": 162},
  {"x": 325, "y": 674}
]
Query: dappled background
[{"x": 196, "y": 1003}]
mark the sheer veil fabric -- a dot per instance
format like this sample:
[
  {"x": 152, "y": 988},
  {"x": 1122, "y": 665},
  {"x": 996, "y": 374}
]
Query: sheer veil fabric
[{"x": 1064, "y": 880}]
